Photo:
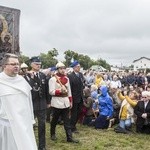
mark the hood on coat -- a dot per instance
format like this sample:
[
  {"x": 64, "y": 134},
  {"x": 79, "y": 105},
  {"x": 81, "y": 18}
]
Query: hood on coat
[{"x": 104, "y": 90}]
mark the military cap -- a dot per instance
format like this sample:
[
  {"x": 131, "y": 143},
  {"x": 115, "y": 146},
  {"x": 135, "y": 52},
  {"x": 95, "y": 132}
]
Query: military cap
[
  {"x": 53, "y": 68},
  {"x": 35, "y": 59},
  {"x": 75, "y": 63}
]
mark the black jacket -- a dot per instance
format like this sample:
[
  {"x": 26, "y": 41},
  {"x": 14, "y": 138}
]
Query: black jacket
[
  {"x": 77, "y": 85},
  {"x": 139, "y": 110},
  {"x": 40, "y": 91}
]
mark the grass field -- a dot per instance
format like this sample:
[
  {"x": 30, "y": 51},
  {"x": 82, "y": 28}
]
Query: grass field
[{"x": 91, "y": 139}]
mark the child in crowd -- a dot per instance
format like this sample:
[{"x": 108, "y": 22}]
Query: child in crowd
[
  {"x": 94, "y": 95},
  {"x": 87, "y": 107}
]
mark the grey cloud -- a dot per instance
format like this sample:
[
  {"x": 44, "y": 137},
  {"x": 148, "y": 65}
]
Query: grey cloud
[{"x": 117, "y": 31}]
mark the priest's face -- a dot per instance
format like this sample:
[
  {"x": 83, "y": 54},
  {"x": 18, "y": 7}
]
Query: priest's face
[{"x": 11, "y": 68}]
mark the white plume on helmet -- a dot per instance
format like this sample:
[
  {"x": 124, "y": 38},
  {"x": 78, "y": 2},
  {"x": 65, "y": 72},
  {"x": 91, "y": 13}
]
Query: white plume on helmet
[
  {"x": 23, "y": 65},
  {"x": 59, "y": 64}
]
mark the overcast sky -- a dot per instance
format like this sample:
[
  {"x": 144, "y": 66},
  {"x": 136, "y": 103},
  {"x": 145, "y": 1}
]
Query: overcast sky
[{"x": 115, "y": 30}]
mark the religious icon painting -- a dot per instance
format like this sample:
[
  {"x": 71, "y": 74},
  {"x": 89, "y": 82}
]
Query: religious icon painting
[{"x": 9, "y": 31}]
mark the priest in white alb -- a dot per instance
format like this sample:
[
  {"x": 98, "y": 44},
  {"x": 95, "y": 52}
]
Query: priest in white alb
[{"x": 16, "y": 110}]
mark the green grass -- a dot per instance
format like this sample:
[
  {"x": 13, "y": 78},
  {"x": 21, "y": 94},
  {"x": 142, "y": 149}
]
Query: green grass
[{"x": 91, "y": 139}]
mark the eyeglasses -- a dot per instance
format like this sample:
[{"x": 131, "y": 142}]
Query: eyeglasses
[
  {"x": 144, "y": 97},
  {"x": 13, "y": 64}
]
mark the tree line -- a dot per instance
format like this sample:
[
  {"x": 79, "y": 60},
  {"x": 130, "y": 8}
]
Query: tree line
[{"x": 49, "y": 59}]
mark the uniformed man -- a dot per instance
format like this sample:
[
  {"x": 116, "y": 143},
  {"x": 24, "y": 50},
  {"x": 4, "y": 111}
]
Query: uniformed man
[
  {"x": 61, "y": 102},
  {"x": 77, "y": 85},
  {"x": 40, "y": 97}
]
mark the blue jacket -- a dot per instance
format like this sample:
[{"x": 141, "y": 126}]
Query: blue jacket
[{"x": 105, "y": 103}]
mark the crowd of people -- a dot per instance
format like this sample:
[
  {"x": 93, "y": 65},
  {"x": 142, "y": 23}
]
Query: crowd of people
[
  {"x": 122, "y": 100},
  {"x": 100, "y": 100}
]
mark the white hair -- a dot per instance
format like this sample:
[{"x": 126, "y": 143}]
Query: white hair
[
  {"x": 145, "y": 93},
  {"x": 113, "y": 85}
]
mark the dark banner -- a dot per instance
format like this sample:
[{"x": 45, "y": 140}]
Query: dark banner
[{"x": 9, "y": 31}]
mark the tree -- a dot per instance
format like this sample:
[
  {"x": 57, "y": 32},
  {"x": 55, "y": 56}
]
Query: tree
[
  {"x": 49, "y": 60},
  {"x": 85, "y": 61},
  {"x": 102, "y": 63},
  {"x": 53, "y": 53},
  {"x": 24, "y": 59},
  {"x": 69, "y": 55}
]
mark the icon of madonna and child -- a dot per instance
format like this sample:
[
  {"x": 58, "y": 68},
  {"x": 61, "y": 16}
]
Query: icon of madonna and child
[
  {"x": 5, "y": 37},
  {"x": 9, "y": 32}
]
